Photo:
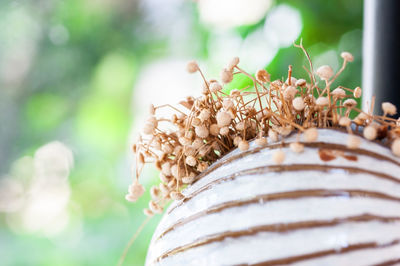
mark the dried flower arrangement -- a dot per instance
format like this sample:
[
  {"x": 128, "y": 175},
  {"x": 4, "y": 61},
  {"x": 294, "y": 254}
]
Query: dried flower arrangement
[{"x": 217, "y": 122}]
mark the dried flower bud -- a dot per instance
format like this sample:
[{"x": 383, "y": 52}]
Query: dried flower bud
[
  {"x": 370, "y": 133},
  {"x": 204, "y": 115},
  {"x": 148, "y": 213},
  {"x": 196, "y": 122},
  {"x": 164, "y": 178},
  {"x": 236, "y": 140},
  {"x": 261, "y": 141},
  {"x": 192, "y": 67},
  {"x": 155, "y": 193},
  {"x": 353, "y": 142},
  {"x": 166, "y": 168},
  {"x": 273, "y": 135},
  {"x": 396, "y": 147},
  {"x": 293, "y": 81},
  {"x": 301, "y": 83},
  {"x": 164, "y": 189},
  {"x": 289, "y": 93},
  {"x": 214, "y": 129},
  {"x": 339, "y": 93},
  {"x": 130, "y": 198},
  {"x": 202, "y": 132},
  {"x": 152, "y": 110},
  {"x": 202, "y": 166},
  {"x": 350, "y": 103},
  {"x": 141, "y": 158},
  {"x": 197, "y": 143},
  {"x": 223, "y": 118},
  {"x": 188, "y": 179},
  {"x": 347, "y": 56},
  {"x": 234, "y": 62},
  {"x": 357, "y": 92},
  {"x": 185, "y": 141},
  {"x": 311, "y": 134},
  {"x": 344, "y": 121},
  {"x": 175, "y": 195},
  {"x": 154, "y": 207},
  {"x": 191, "y": 161},
  {"x": 176, "y": 171},
  {"x": 224, "y": 131},
  {"x": 234, "y": 93},
  {"x": 134, "y": 148},
  {"x": 215, "y": 87},
  {"x": 389, "y": 108},
  {"x": 189, "y": 134},
  {"x": 322, "y": 101},
  {"x": 298, "y": 104},
  {"x": 241, "y": 125},
  {"x": 297, "y": 147},
  {"x": 278, "y": 156},
  {"x": 228, "y": 104},
  {"x": 263, "y": 76},
  {"x": 325, "y": 72},
  {"x": 226, "y": 76},
  {"x": 285, "y": 131},
  {"x": 171, "y": 184},
  {"x": 135, "y": 191},
  {"x": 148, "y": 128},
  {"x": 189, "y": 150},
  {"x": 243, "y": 145}
]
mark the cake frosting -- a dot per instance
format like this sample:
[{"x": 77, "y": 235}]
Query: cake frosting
[{"x": 330, "y": 205}]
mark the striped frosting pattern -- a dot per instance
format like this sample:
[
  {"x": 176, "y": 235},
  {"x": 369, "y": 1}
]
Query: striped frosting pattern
[{"x": 326, "y": 206}]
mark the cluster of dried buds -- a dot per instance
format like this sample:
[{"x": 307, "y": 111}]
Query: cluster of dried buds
[{"x": 210, "y": 126}]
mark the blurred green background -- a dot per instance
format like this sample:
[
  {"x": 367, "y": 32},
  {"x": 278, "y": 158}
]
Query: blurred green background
[{"x": 81, "y": 72}]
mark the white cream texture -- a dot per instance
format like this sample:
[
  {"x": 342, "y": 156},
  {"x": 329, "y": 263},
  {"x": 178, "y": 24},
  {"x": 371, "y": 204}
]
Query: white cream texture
[{"x": 265, "y": 246}]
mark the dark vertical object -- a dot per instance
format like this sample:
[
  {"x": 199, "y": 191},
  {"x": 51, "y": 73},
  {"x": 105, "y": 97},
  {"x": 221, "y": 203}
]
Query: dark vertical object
[{"x": 381, "y": 52}]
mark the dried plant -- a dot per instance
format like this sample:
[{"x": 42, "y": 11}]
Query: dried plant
[{"x": 203, "y": 129}]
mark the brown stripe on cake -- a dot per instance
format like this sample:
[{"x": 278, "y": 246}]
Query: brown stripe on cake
[
  {"x": 313, "y": 145},
  {"x": 324, "y": 253},
  {"x": 287, "y": 195},
  {"x": 389, "y": 262},
  {"x": 277, "y": 228},
  {"x": 282, "y": 168}
]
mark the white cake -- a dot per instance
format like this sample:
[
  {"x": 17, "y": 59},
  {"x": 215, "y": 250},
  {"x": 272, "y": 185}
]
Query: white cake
[{"x": 329, "y": 205}]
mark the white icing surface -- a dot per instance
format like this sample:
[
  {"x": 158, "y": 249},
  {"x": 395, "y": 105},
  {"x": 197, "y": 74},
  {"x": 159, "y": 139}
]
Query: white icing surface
[{"x": 266, "y": 246}]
